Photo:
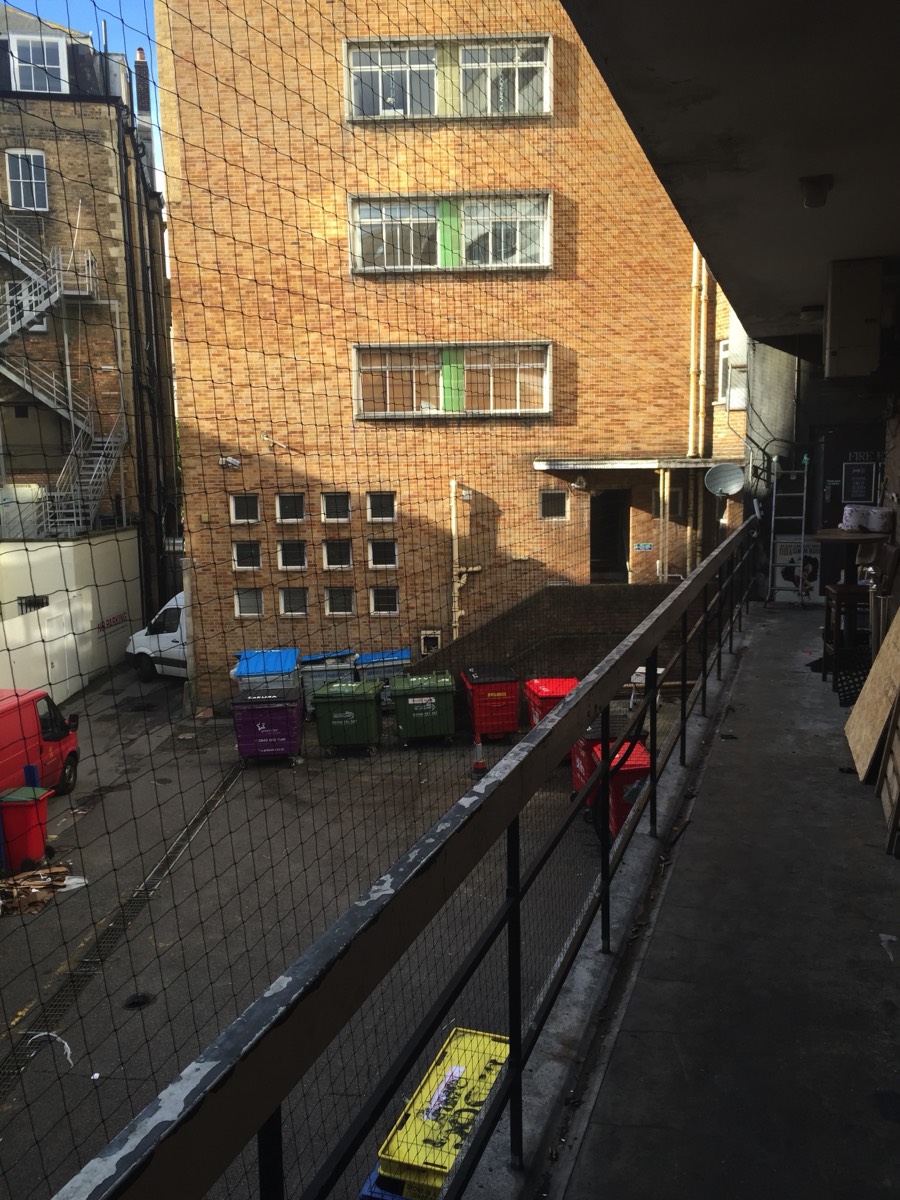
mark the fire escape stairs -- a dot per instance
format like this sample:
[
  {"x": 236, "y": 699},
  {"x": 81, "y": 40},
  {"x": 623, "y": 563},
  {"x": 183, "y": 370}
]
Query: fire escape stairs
[{"x": 74, "y": 500}]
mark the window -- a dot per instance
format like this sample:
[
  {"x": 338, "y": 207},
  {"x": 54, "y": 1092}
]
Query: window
[
  {"x": 335, "y": 506},
  {"x": 39, "y": 64},
  {"x": 554, "y": 506},
  {"x": 733, "y": 380},
  {"x": 381, "y": 505},
  {"x": 293, "y": 601},
  {"x": 511, "y": 379},
  {"x": 26, "y": 173},
  {"x": 168, "y": 621},
  {"x": 451, "y": 232},
  {"x": 723, "y": 371},
  {"x": 487, "y": 77},
  {"x": 290, "y": 506},
  {"x": 291, "y": 556},
  {"x": 246, "y": 556},
  {"x": 244, "y": 509},
  {"x": 384, "y": 601},
  {"x": 29, "y": 604},
  {"x": 676, "y": 503},
  {"x": 23, "y": 301},
  {"x": 338, "y": 601},
  {"x": 248, "y": 602},
  {"x": 382, "y": 554},
  {"x": 337, "y": 555}
]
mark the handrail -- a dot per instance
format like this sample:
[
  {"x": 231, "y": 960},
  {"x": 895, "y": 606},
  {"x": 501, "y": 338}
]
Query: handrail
[
  {"x": 233, "y": 1089},
  {"x": 50, "y": 387}
]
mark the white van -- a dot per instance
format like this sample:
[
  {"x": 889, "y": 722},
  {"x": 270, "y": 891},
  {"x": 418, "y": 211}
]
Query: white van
[{"x": 161, "y": 648}]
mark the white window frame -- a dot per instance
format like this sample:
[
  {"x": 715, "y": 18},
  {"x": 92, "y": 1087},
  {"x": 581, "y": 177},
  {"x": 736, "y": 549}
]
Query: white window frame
[
  {"x": 337, "y": 520},
  {"x": 394, "y": 225},
  {"x": 723, "y": 372},
  {"x": 326, "y": 566},
  {"x": 492, "y": 69},
  {"x": 282, "y": 565},
  {"x": 236, "y": 566},
  {"x": 374, "y": 566},
  {"x": 235, "y": 520},
  {"x": 245, "y": 616},
  {"x": 428, "y": 411},
  {"x": 18, "y": 153},
  {"x": 447, "y": 75},
  {"x": 289, "y": 520},
  {"x": 381, "y": 612},
  {"x": 349, "y": 612},
  {"x": 553, "y": 492},
  {"x": 21, "y": 288},
  {"x": 20, "y": 69},
  {"x": 676, "y": 503},
  {"x": 380, "y": 520},
  {"x": 285, "y": 612}
]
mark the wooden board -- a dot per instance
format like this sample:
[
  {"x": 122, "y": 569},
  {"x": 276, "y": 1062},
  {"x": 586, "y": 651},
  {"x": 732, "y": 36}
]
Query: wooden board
[
  {"x": 887, "y": 787},
  {"x": 870, "y": 713}
]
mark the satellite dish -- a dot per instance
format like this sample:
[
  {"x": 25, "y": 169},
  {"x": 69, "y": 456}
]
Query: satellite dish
[{"x": 724, "y": 479}]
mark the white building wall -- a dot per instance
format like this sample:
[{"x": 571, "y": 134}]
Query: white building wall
[{"x": 94, "y": 604}]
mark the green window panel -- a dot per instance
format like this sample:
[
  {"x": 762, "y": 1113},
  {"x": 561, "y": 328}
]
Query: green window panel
[
  {"x": 449, "y": 234},
  {"x": 453, "y": 380}
]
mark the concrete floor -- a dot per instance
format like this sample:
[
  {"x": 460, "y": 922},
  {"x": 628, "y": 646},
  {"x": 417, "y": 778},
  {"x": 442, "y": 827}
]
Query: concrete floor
[{"x": 752, "y": 1049}]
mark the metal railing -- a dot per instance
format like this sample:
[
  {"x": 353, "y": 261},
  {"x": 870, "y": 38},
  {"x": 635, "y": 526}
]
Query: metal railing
[
  {"x": 75, "y": 499},
  {"x": 235, "y": 1094},
  {"x": 50, "y": 388}
]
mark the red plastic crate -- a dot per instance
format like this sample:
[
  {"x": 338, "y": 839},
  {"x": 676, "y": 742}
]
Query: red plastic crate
[
  {"x": 636, "y": 767},
  {"x": 543, "y": 695}
]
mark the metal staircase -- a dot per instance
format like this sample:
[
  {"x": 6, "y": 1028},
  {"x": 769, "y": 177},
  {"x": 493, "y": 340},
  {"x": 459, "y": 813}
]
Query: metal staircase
[{"x": 74, "y": 501}]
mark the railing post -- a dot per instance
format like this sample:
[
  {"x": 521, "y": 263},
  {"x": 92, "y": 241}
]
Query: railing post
[
  {"x": 270, "y": 1158},
  {"x": 514, "y": 987},
  {"x": 651, "y": 689},
  {"x": 682, "y": 752},
  {"x": 720, "y": 592},
  {"x": 704, "y": 665},
  {"x": 603, "y": 799},
  {"x": 731, "y": 569}
]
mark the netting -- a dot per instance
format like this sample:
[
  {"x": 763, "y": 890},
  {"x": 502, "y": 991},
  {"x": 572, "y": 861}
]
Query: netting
[{"x": 341, "y": 347}]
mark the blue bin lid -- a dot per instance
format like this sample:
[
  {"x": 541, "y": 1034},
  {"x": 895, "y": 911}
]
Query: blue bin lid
[
  {"x": 308, "y": 659},
  {"x": 381, "y": 658},
  {"x": 266, "y": 662}
]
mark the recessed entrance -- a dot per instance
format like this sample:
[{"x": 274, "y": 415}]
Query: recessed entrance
[{"x": 610, "y": 529}]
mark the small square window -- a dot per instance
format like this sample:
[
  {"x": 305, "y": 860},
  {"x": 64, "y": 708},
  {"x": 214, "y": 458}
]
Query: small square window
[
  {"x": 553, "y": 506},
  {"x": 294, "y": 601},
  {"x": 335, "y": 506},
  {"x": 291, "y": 556},
  {"x": 676, "y": 503},
  {"x": 384, "y": 601},
  {"x": 248, "y": 602},
  {"x": 29, "y": 604},
  {"x": 246, "y": 556},
  {"x": 382, "y": 554},
  {"x": 244, "y": 508},
  {"x": 290, "y": 506},
  {"x": 338, "y": 601},
  {"x": 382, "y": 506},
  {"x": 338, "y": 555}
]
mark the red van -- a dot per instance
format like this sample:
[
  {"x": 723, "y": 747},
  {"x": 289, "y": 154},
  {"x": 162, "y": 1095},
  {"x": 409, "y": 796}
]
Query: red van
[{"x": 33, "y": 732}]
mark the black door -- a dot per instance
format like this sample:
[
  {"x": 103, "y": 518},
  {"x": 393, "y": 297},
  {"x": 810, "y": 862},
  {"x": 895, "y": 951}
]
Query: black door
[{"x": 610, "y": 525}]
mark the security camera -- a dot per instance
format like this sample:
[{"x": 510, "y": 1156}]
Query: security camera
[{"x": 229, "y": 462}]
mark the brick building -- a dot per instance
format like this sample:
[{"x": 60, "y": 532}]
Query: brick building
[
  {"x": 86, "y": 406},
  {"x": 442, "y": 339}
]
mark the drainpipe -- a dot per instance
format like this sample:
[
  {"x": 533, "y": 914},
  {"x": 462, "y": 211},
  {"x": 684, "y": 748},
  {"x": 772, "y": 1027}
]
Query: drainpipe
[
  {"x": 692, "y": 367},
  {"x": 701, "y": 356},
  {"x": 459, "y": 575}
]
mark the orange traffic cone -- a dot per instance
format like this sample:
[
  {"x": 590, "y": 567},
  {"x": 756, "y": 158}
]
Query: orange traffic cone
[{"x": 479, "y": 766}]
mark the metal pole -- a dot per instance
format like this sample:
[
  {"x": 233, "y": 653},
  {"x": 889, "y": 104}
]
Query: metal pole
[
  {"x": 514, "y": 987},
  {"x": 603, "y": 799},
  {"x": 269, "y": 1154},
  {"x": 682, "y": 753},
  {"x": 651, "y": 690},
  {"x": 720, "y": 592},
  {"x": 731, "y": 569},
  {"x": 703, "y": 663}
]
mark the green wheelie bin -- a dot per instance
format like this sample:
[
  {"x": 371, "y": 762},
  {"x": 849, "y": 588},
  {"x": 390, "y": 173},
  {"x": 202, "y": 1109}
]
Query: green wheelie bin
[
  {"x": 348, "y": 715},
  {"x": 424, "y": 706}
]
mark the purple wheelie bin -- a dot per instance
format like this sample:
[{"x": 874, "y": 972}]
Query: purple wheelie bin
[{"x": 269, "y": 724}]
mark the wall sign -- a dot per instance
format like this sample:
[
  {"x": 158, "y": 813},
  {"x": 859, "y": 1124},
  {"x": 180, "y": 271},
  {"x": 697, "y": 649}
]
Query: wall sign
[
  {"x": 643, "y": 545},
  {"x": 858, "y": 484}
]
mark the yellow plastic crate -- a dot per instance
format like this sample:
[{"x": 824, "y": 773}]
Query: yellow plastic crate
[{"x": 424, "y": 1144}]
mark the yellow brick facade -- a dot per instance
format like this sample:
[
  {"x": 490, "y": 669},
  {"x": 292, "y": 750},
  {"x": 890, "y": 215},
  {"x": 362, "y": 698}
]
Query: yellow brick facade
[{"x": 262, "y": 160}]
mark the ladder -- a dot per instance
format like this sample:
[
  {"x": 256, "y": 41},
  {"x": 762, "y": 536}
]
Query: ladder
[{"x": 787, "y": 537}]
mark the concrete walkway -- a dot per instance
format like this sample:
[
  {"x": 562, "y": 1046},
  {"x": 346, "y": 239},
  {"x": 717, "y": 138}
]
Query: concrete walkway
[{"x": 755, "y": 1052}]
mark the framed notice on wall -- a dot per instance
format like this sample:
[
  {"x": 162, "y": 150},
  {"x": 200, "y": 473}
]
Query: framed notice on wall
[{"x": 858, "y": 483}]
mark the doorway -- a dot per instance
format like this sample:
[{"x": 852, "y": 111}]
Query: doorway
[{"x": 610, "y": 530}]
